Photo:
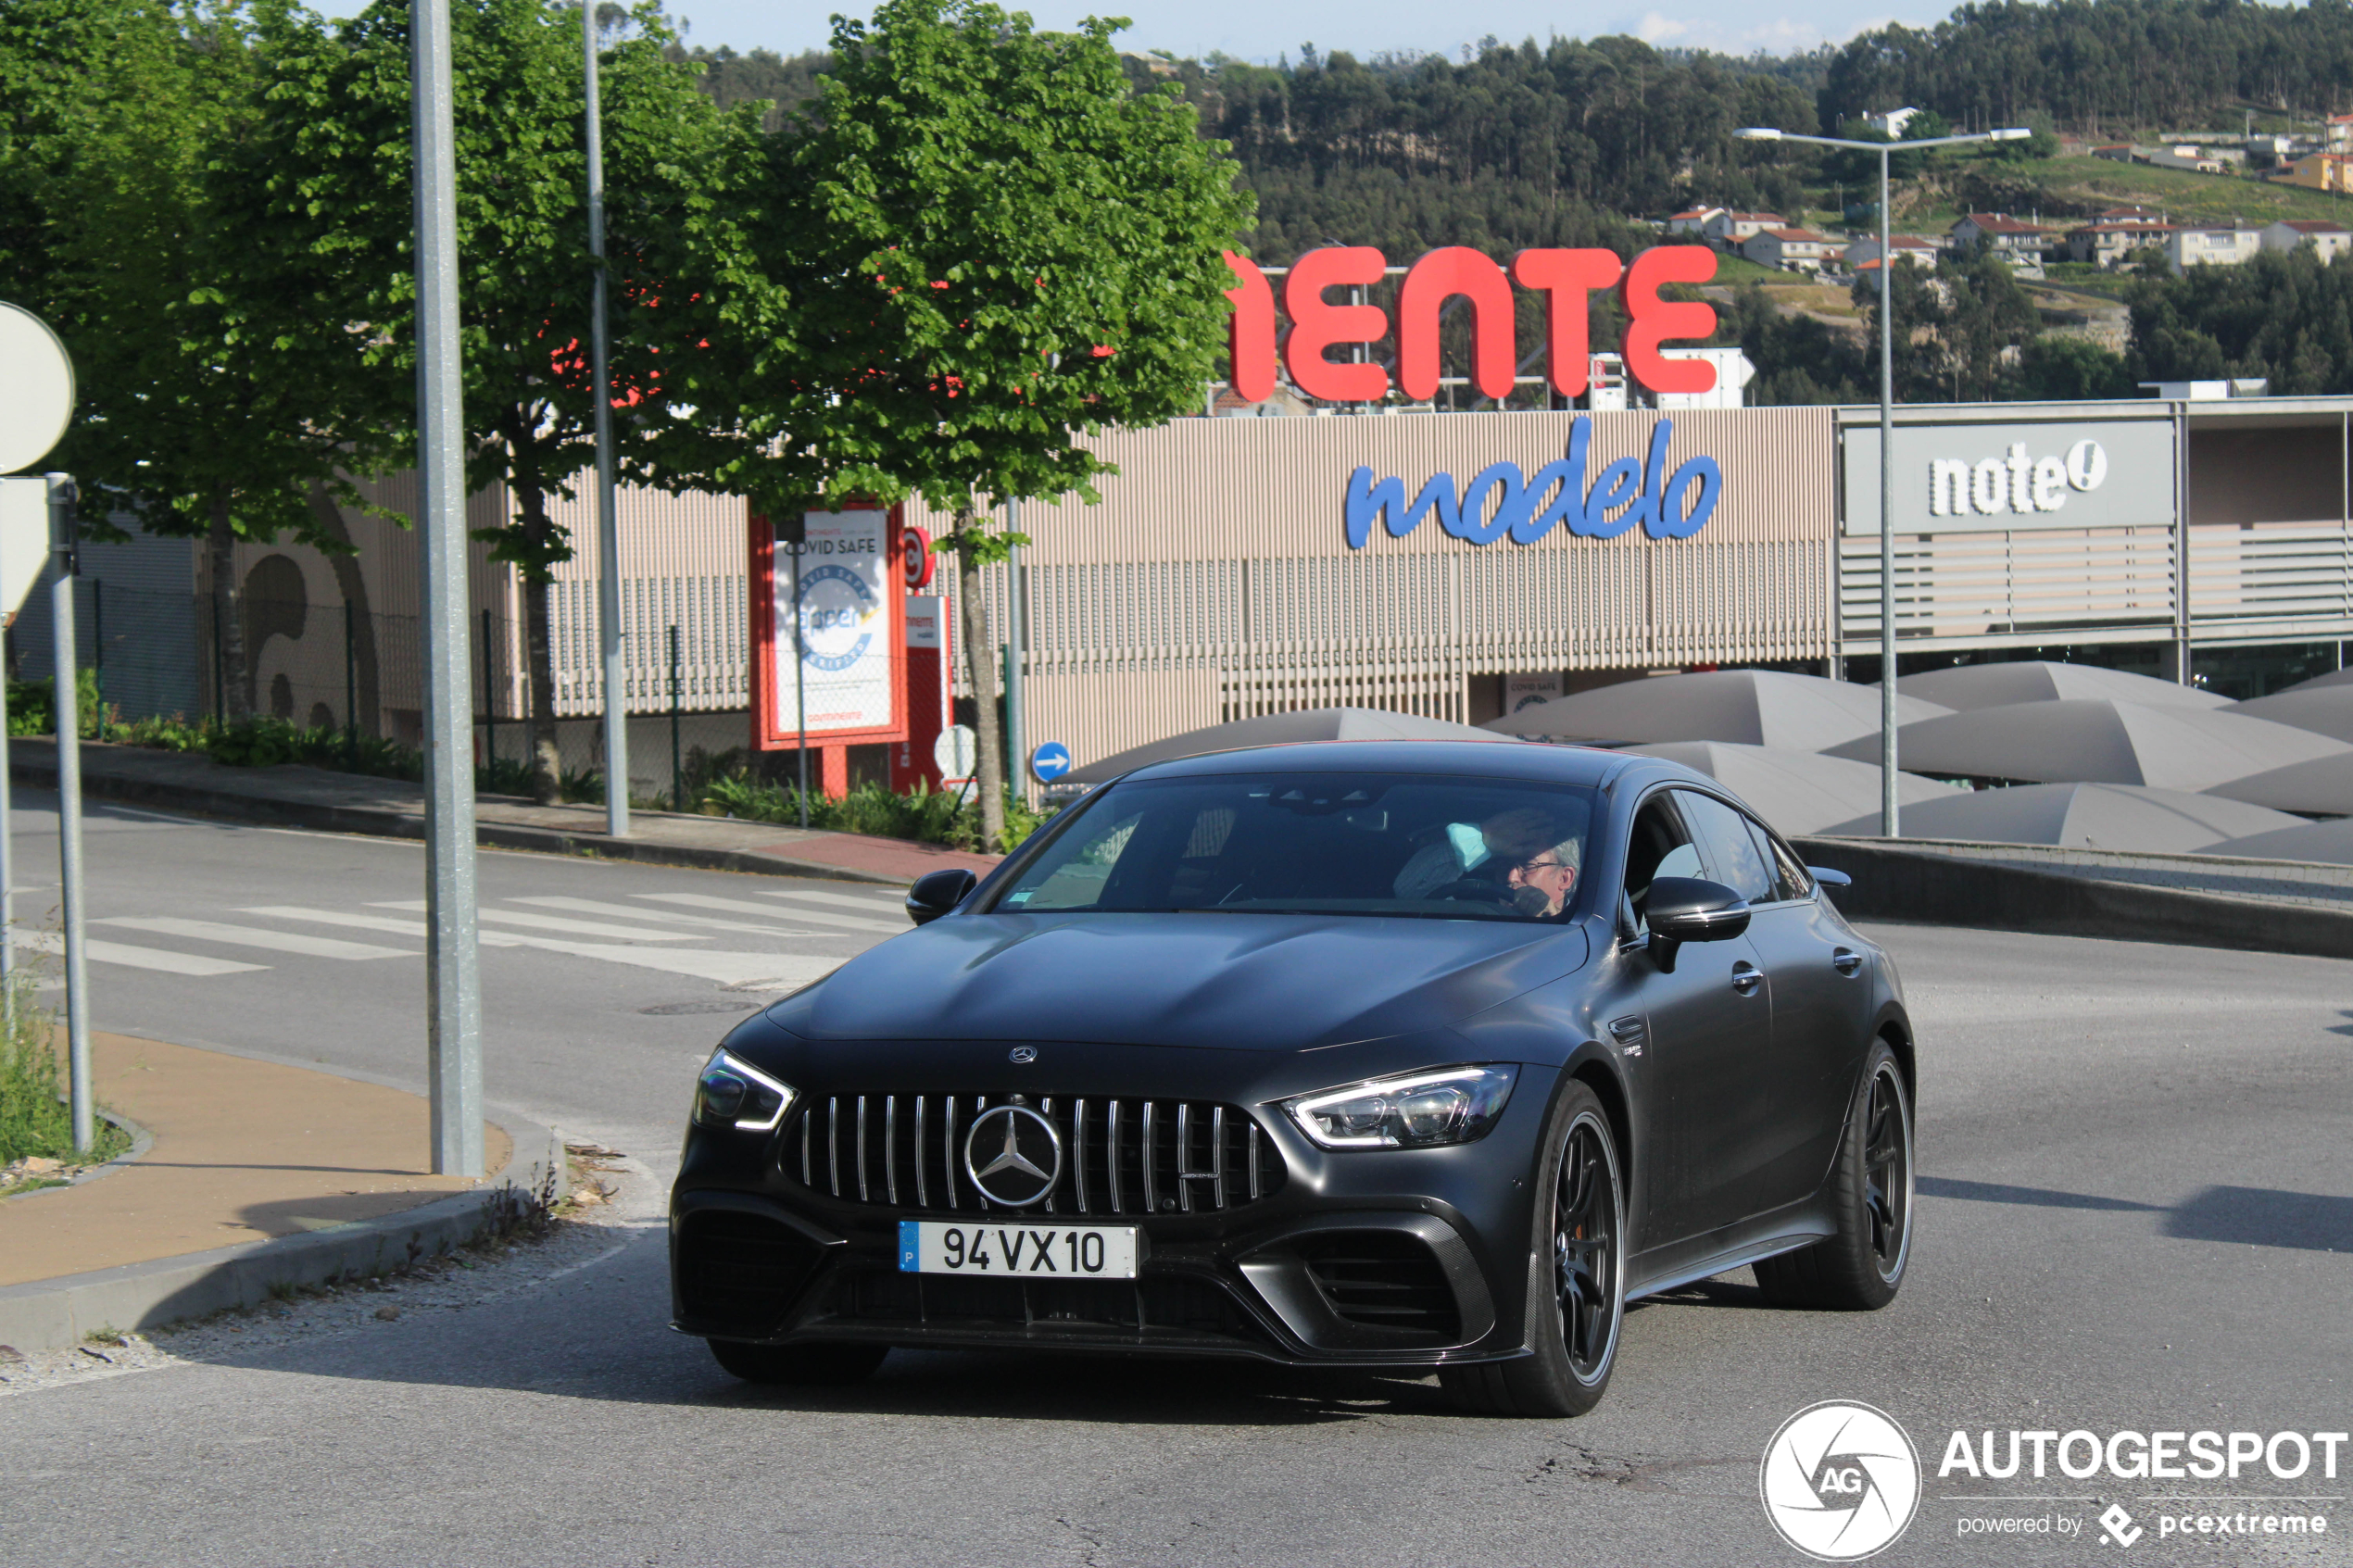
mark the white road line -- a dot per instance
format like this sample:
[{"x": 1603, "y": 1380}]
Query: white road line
[
  {"x": 781, "y": 970},
  {"x": 745, "y": 907},
  {"x": 139, "y": 958},
  {"x": 551, "y": 922},
  {"x": 255, "y": 937},
  {"x": 709, "y": 922},
  {"x": 415, "y": 928},
  {"x": 881, "y": 905}
]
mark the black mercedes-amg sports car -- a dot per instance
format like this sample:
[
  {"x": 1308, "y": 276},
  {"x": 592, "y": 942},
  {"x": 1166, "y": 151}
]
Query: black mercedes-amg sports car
[{"x": 1399, "y": 1054}]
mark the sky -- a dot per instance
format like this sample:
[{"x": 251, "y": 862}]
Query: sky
[{"x": 1258, "y": 31}]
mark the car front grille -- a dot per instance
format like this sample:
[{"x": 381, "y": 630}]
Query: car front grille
[{"x": 1119, "y": 1155}]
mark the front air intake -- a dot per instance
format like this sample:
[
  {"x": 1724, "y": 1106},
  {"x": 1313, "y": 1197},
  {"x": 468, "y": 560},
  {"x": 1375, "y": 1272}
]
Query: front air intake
[{"x": 1385, "y": 1280}]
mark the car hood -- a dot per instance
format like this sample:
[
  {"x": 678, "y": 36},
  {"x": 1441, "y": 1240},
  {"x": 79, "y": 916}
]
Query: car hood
[{"x": 1246, "y": 982}]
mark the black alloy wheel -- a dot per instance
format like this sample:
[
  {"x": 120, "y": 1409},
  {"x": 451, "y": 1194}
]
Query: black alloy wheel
[
  {"x": 1860, "y": 1267},
  {"x": 1585, "y": 1248},
  {"x": 798, "y": 1366},
  {"x": 1576, "y": 1285}
]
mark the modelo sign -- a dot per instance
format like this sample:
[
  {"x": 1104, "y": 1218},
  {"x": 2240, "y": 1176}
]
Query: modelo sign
[
  {"x": 1501, "y": 502},
  {"x": 1565, "y": 279},
  {"x": 1979, "y": 478}
]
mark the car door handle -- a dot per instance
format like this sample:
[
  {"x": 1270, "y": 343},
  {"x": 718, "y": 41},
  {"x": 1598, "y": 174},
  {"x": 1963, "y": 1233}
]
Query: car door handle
[
  {"x": 1746, "y": 978},
  {"x": 1847, "y": 961}
]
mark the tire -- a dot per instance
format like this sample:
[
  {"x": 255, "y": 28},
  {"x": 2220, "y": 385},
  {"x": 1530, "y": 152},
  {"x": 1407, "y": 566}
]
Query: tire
[
  {"x": 1576, "y": 1277},
  {"x": 1859, "y": 1267},
  {"x": 798, "y": 1366}
]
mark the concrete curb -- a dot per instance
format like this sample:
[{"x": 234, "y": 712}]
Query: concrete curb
[
  {"x": 377, "y": 823},
  {"x": 52, "y": 1313},
  {"x": 1892, "y": 883}
]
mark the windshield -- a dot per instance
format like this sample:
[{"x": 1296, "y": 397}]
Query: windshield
[{"x": 1350, "y": 844}]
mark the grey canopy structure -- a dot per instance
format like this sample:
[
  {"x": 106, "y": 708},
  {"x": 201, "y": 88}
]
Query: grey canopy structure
[
  {"x": 1276, "y": 729},
  {"x": 2319, "y": 682},
  {"x": 1798, "y": 792},
  {"x": 2081, "y": 816},
  {"x": 2321, "y": 787},
  {"x": 1968, "y": 686},
  {"x": 2086, "y": 740},
  {"x": 2325, "y": 710},
  {"x": 2326, "y": 844},
  {"x": 1742, "y": 707}
]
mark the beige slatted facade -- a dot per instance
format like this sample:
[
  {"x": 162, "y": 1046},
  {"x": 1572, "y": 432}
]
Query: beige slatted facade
[{"x": 1215, "y": 581}]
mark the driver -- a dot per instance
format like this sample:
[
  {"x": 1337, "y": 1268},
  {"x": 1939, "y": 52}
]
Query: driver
[
  {"x": 1499, "y": 850},
  {"x": 1541, "y": 884}
]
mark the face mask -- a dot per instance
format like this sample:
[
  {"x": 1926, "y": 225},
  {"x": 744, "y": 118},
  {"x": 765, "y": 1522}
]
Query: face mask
[{"x": 1530, "y": 901}]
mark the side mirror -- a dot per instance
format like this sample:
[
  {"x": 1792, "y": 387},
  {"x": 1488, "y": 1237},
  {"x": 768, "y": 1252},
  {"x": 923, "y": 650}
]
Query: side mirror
[
  {"x": 1687, "y": 908},
  {"x": 1829, "y": 877},
  {"x": 937, "y": 893}
]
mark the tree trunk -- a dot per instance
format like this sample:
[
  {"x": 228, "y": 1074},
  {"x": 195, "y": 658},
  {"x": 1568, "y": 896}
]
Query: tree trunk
[
  {"x": 546, "y": 761},
  {"x": 981, "y": 671},
  {"x": 236, "y": 703}
]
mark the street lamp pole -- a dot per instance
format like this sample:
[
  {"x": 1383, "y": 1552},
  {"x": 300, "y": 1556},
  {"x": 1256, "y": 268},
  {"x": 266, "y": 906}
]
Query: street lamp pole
[
  {"x": 1887, "y": 771},
  {"x": 608, "y": 526}
]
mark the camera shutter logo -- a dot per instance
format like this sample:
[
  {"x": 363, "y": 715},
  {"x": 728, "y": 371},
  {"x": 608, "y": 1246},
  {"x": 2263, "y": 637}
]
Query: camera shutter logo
[{"x": 1840, "y": 1481}]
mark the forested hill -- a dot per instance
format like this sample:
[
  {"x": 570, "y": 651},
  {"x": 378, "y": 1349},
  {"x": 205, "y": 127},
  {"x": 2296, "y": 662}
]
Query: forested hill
[
  {"x": 2105, "y": 65},
  {"x": 1518, "y": 145},
  {"x": 1562, "y": 143}
]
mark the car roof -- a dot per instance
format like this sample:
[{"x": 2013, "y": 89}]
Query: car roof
[{"x": 1516, "y": 760}]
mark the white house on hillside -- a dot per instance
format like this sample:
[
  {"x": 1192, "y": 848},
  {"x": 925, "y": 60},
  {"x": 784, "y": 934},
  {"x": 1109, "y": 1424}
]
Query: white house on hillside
[
  {"x": 1732, "y": 229},
  {"x": 1863, "y": 255},
  {"x": 2223, "y": 245},
  {"x": 1790, "y": 250},
  {"x": 1694, "y": 222},
  {"x": 2332, "y": 240}
]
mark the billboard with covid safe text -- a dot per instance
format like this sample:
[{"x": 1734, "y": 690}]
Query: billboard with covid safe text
[{"x": 840, "y": 679}]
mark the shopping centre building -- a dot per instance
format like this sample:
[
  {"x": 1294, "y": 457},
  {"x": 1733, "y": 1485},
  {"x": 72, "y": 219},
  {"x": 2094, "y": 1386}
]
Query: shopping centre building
[{"x": 1448, "y": 564}]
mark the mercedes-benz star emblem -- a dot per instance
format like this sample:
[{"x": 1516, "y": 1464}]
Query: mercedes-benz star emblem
[
  {"x": 1025, "y": 1053},
  {"x": 1013, "y": 1155}
]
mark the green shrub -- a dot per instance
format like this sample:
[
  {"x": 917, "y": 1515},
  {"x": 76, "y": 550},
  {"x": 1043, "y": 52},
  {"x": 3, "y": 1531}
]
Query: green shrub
[
  {"x": 34, "y": 1118},
  {"x": 32, "y": 707}
]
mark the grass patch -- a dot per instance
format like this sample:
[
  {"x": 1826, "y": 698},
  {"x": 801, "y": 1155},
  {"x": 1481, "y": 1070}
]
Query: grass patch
[{"x": 34, "y": 1121}]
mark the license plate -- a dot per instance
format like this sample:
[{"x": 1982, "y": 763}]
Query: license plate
[{"x": 929, "y": 1246}]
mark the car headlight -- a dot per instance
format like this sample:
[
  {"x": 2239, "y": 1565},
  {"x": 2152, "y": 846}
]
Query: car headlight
[
  {"x": 733, "y": 1093},
  {"x": 1446, "y": 1105}
]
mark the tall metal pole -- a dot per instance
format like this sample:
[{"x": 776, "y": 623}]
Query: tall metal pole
[
  {"x": 608, "y": 523},
  {"x": 452, "y": 958},
  {"x": 1887, "y": 774},
  {"x": 65, "y": 686},
  {"x": 799, "y": 686},
  {"x": 7, "y": 876},
  {"x": 1016, "y": 636}
]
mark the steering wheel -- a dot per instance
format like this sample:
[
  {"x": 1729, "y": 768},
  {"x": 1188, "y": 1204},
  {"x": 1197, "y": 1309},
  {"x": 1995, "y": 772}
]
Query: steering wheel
[{"x": 1473, "y": 888}]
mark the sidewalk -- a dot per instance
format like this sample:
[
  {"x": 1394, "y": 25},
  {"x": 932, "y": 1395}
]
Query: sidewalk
[
  {"x": 316, "y": 797},
  {"x": 259, "y": 1174}
]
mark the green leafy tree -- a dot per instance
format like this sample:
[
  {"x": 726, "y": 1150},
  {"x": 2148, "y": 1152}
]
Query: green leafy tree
[
  {"x": 690, "y": 309},
  {"x": 214, "y": 401},
  {"x": 997, "y": 247},
  {"x": 2071, "y": 369}
]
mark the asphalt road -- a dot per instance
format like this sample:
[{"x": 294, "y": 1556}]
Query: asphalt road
[{"x": 2136, "y": 1215}]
